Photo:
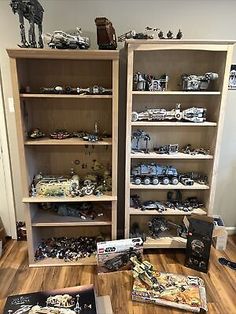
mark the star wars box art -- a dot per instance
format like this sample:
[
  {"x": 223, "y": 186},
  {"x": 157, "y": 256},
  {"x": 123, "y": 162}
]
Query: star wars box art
[
  {"x": 115, "y": 255},
  {"x": 74, "y": 300},
  {"x": 168, "y": 289},
  {"x": 178, "y": 291}
]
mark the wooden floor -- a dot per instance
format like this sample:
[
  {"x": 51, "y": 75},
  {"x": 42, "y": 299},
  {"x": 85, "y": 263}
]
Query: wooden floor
[{"x": 16, "y": 277}]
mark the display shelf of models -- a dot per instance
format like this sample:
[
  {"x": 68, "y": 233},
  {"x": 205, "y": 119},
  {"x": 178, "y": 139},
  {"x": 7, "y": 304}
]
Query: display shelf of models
[
  {"x": 174, "y": 125},
  {"x": 67, "y": 122}
]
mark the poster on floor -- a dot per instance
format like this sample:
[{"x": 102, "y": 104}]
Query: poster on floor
[{"x": 73, "y": 300}]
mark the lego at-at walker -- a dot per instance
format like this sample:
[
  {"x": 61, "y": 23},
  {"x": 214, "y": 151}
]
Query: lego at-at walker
[{"x": 32, "y": 11}]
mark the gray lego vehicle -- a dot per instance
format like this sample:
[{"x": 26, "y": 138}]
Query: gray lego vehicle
[
  {"x": 194, "y": 82},
  {"x": 194, "y": 114},
  {"x": 63, "y": 40},
  {"x": 153, "y": 174}
]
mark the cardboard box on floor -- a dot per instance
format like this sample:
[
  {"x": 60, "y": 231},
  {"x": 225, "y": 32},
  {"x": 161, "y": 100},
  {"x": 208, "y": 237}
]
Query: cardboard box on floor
[{"x": 219, "y": 235}]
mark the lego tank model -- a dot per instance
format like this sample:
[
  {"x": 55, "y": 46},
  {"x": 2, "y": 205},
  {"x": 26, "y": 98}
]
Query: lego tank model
[
  {"x": 193, "y": 82},
  {"x": 194, "y": 114},
  {"x": 147, "y": 82},
  {"x": 63, "y": 40},
  {"x": 106, "y": 35},
  {"x": 153, "y": 174}
]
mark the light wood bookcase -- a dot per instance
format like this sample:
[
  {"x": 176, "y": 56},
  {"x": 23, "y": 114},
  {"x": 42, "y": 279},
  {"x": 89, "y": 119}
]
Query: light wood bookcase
[
  {"x": 46, "y": 68},
  {"x": 176, "y": 57}
]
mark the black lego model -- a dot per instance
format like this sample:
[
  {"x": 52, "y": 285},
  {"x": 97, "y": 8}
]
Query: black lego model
[
  {"x": 121, "y": 260},
  {"x": 199, "y": 242}
]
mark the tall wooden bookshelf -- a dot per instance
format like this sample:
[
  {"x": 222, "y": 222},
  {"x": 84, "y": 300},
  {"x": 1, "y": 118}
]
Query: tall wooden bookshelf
[
  {"x": 46, "y": 68},
  {"x": 175, "y": 57}
]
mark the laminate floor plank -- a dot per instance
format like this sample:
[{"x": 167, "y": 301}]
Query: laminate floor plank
[{"x": 16, "y": 277}]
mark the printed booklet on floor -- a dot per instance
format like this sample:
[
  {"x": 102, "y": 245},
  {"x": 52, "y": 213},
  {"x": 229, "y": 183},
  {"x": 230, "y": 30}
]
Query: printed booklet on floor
[{"x": 73, "y": 300}]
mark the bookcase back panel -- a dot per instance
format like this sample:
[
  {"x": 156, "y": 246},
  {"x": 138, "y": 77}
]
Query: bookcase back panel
[
  {"x": 56, "y": 160},
  {"x": 197, "y": 137},
  {"x": 175, "y": 62},
  {"x": 211, "y": 103},
  {"x": 72, "y": 115},
  {"x": 38, "y": 73}
]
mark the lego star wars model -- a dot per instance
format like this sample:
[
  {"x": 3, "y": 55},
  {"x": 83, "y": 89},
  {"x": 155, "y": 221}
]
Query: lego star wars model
[
  {"x": 194, "y": 114},
  {"x": 63, "y": 40},
  {"x": 32, "y": 11},
  {"x": 193, "y": 82},
  {"x": 106, "y": 35},
  {"x": 147, "y": 82}
]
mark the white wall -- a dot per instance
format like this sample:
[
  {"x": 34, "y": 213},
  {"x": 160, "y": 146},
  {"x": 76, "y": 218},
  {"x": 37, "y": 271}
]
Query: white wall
[{"x": 198, "y": 19}]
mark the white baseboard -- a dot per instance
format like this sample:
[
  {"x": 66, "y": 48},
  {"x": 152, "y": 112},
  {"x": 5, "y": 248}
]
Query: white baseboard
[{"x": 231, "y": 230}]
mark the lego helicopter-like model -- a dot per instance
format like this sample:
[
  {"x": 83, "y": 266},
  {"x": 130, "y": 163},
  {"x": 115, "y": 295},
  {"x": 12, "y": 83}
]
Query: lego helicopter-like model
[
  {"x": 145, "y": 272},
  {"x": 194, "y": 114}
]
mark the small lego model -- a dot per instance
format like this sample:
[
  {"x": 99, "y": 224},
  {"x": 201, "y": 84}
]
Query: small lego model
[
  {"x": 132, "y": 34},
  {"x": 121, "y": 260},
  {"x": 157, "y": 225},
  {"x": 93, "y": 90},
  {"x": 146, "y": 82},
  {"x": 198, "y": 177},
  {"x": 106, "y": 35},
  {"x": 135, "y": 232},
  {"x": 169, "y": 35},
  {"x": 52, "y": 90},
  {"x": 193, "y": 82},
  {"x": 188, "y": 149},
  {"x": 135, "y": 201},
  {"x": 167, "y": 149},
  {"x": 194, "y": 114},
  {"x": 36, "y": 133},
  {"x": 138, "y": 136},
  {"x": 185, "y": 180},
  {"x": 63, "y": 40},
  {"x": 60, "y": 134},
  {"x": 68, "y": 249},
  {"x": 32, "y": 11},
  {"x": 144, "y": 271},
  {"x": 153, "y": 205},
  {"x": 232, "y": 77},
  {"x": 153, "y": 174}
]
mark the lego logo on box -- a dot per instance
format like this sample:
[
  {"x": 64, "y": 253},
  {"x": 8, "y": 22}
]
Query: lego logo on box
[{"x": 115, "y": 255}]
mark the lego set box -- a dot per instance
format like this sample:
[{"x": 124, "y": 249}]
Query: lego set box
[
  {"x": 115, "y": 255},
  {"x": 178, "y": 291},
  {"x": 73, "y": 300}
]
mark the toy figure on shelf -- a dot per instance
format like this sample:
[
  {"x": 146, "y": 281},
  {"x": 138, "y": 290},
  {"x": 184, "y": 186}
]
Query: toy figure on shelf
[
  {"x": 32, "y": 11},
  {"x": 106, "y": 35},
  {"x": 193, "y": 82},
  {"x": 194, "y": 114},
  {"x": 134, "y": 35},
  {"x": 169, "y": 35},
  {"x": 158, "y": 225},
  {"x": 36, "y": 133},
  {"x": 63, "y": 40},
  {"x": 93, "y": 90},
  {"x": 195, "y": 151},
  {"x": 169, "y": 149},
  {"x": 60, "y": 134},
  {"x": 146, "y": 82},
  {"x": 137, "y": 136}
]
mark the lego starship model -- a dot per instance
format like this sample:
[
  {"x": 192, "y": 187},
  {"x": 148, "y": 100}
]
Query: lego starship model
[{"x": 194, "y": 114}]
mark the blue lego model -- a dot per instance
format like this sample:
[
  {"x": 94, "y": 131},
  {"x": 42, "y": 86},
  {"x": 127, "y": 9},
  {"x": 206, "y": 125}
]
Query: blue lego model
[{"x": 153, "y": 174}]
